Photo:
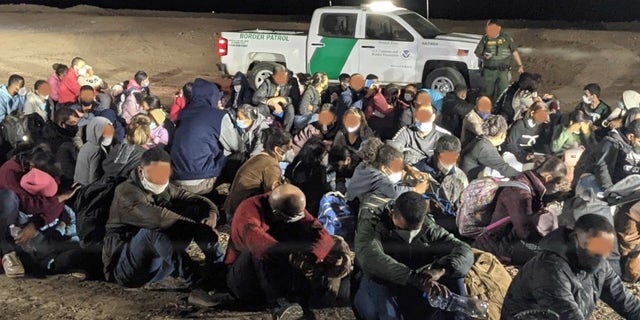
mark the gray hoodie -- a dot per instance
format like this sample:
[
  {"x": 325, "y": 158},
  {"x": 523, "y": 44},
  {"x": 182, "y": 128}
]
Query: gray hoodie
[
  {"x": 89, "y": 163},
  {"x": 368, "y": 180}
]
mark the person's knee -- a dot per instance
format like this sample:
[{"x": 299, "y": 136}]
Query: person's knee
[{"x": 9, "y": 201}]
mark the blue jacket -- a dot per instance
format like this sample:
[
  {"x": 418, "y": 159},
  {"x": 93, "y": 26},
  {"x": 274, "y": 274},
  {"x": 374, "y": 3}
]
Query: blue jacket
[
  {"x": 8, "y": 103},
  {"x": 196, "y": 152}
]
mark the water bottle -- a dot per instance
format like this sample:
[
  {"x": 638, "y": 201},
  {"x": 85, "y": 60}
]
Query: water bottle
[{"x": 472, "y": 307}]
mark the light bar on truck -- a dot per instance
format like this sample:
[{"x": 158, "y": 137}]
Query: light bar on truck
[
  {"x": 223, "y": 46},
  {"x": 382, "y": 6}
]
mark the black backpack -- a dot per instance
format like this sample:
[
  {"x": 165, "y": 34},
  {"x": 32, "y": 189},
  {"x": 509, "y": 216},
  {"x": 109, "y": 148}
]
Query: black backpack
[
  {"x": 18, "y": 127},
  {"x": 92, "y": 205}
]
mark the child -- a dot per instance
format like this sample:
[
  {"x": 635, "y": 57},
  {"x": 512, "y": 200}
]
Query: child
[
  {"x": 159, "y": 135},
  {"x": 40, "y": 183}
]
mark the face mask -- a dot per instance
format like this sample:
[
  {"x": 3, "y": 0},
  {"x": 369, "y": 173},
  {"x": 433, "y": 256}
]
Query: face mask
[
  {"x": 395, "y": 177},
  {"x": 408, "y": 97},
  {"x": 152, "y": 187},
  {"x": 345, "y": 84},
  {"x": 145, "y": 84},
  {"x": 242, "y": 125},
  {"x": 445, "y": 168},
  {"x": 586, "y": 100},
  {"x": 425, "y": 127},
  {"x": 353, "y": 129},
  {"x": 237, "y": 87},
  {"x": 82, "y": 72},
  {"x": 86, "y": 103},
  {"x": 106, "y": 141},
  {"x": 408, "y": 235},
  {"x": 295, "y": 218},
  {"x": 279, "y": 115},
  {"x": 289, "y": 155},
  {"x": 153, "y": 126},
  {"x": 587, "y": 262},
  {"x": 45, "y": 97},
  {"x": 484, "y": 115}
]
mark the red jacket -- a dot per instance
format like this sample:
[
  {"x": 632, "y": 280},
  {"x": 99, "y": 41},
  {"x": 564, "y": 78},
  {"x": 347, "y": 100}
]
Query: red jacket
[
  {"x": 250, "y": 231},
  {"x": 378, "y": 103},
  {"x": 48, "y": 208},
  {"x": 178, "y": 104},
  {"x": 69, "y": 87}
]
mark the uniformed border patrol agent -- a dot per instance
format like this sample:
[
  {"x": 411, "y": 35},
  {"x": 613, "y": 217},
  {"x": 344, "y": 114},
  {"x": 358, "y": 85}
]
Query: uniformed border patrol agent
[{"x": 495, "y": 49}]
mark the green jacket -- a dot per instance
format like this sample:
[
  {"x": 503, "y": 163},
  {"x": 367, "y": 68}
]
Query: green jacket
[
  {"x": 565, "y": 139},
  {"x": 381, "y": 253}
]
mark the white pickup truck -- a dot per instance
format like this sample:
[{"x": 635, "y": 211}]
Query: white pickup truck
[{"x": 396, "y": 44}]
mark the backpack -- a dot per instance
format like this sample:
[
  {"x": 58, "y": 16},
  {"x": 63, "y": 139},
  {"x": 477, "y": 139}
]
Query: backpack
[
  {"x": 92, "y": 205},
  {"x": 476, "y": 205},
  {"x": 19, "y": 127},
  {"x": 488, "y": 280},
  {"x": 335, "y": 215}
]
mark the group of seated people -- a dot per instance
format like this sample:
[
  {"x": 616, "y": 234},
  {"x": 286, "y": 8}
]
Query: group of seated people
[{"x": 114, "y": 186}]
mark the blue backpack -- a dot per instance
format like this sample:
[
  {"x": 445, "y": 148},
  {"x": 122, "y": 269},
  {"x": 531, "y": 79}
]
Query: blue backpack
[{"x": 335, "y": 215}]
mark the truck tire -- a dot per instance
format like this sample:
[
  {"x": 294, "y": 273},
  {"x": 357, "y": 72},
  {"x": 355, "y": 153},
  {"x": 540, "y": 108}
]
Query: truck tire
[
  {"x": 259, "y": 73},
  {"x": 444, "y": 79}
]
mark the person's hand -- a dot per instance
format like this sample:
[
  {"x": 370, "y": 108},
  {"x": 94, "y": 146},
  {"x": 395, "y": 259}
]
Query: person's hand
[
  {"x": 334, "y": 97},
  {"x": 586, "y": 129},
  {"x": 487, "y": 55},
  {"x": 61, "y": 224},
  {"x": 310, "y": 108},
  {"x": 26, "y": 234},
  {"x": 304, "y": 262},
  {"x": 434, "y": 274},
  {"x": 548, "y": 96},
  {"x": 422, "y": 186},
  {"x": 69, "y": 194},
  {"x": 530, "y": 157},
  {"x": 211, "y": 221},
  {"x": 435, "y": 288},
  {"x": 521, "y": 69}
]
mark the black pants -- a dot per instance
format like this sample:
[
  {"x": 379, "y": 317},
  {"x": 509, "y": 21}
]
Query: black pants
[{"x": 263, "y": 281}]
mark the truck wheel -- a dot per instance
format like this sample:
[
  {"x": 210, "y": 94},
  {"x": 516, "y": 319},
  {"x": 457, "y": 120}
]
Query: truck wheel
[
  {"x": 259, "y": 73},
  {"x": 443, "y": 79}
]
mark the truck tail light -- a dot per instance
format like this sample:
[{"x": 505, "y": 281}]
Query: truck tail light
[
  {"x": 463, "y": 52},
  {"x": 223, "y": 46}
]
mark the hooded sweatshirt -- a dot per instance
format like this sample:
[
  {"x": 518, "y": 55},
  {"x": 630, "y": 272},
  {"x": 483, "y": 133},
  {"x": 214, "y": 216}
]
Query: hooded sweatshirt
[
  {"x": 245, "y": 95},
  {"x": 553, "y": 281},
  {"x": 196, "y": 152},
  {"x": 89, "y": 163},
  {"x": 9, "y": 103},
  {"x": 69, "y": 87},
  {"x": 368, "y": 180}
]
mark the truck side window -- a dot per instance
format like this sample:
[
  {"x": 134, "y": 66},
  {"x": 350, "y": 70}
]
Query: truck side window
[
  {"x": 338, "y": 25},
  {"x": 385, "y": 28}
]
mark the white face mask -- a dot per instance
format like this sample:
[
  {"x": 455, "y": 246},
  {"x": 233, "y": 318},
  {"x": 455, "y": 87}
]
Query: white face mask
[
  {"x": 586, "y": 100},
  {"x": 353, "y": 129},
  {"x": 445, "y": 168},
  {"x": 408, "y": 97},
  {"x": 295, "y": 218},
  {"x": 82, "y": 72},
  {"x": 395, "y": 177},
  {"x": 152, "y": 187},
  {"x": 107, "y": 141},
  {"x": 408, "y": 235},
  {"x": 45, "y": 97},
  {"x": 153, "y": 126},
  {"x": 237, "y": 88},
  {"x": 425, "y": 127}
]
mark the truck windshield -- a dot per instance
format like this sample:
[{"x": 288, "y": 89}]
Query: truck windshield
[{"x": 425, "y": 28}]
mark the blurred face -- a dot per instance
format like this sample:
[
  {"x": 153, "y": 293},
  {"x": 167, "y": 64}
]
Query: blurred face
[
  {"x": 281, "y": 78},
  {"x": 44, "y": 90},
  {"x": 541, "y": 116},
  {"x": 357, "y": 82},
  {"x": 592, "y": 249},
  {"x": 157, "y": 172},
  {"x": 352, "y": 122},
  {"x": 326, "y": 118},
  {"x": 86, "y": 99},
  {"x": 493, "y": 30},
  {"x": 396, "y": 166},
  {"x": 425, "y": 114},
  {"x": 447, "y": 160},
  {"x": 422, "y": 99}
]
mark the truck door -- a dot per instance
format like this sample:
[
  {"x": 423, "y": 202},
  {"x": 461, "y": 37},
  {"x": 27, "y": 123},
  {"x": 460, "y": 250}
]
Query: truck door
[
  {"x": 388, "y": 49},
  {"x": 331, "y": 46}
]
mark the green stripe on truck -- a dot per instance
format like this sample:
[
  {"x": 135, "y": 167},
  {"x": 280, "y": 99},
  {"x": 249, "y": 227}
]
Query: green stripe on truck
[{"x": 331, "y": 58}]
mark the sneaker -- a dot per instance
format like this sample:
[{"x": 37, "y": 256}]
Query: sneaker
[
  {"x": 286, "y": 311},
  {"x": 12, "y": 265},
  {"x": 203, "y": 299}
]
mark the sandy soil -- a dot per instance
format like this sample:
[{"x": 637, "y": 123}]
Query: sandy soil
[{"x": 177, "y": 47}]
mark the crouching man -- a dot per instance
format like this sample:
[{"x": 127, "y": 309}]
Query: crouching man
[
  {"x": 403, "y": 253},
  {"x": 571, "y": 275},
  {"x": 150, "y": 225},
  {"x": 278, "y": 250}
]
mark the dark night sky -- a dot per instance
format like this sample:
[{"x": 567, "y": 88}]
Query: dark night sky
[{"x": 568, "y": 10}]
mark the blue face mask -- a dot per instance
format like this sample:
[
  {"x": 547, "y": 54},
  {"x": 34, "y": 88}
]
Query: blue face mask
[
  {"x": 242, "y": 125},
  {"x": 484, "y": 115},
  {"x": 279, "y": 115}
]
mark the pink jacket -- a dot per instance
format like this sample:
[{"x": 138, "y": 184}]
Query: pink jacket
[
  {"x": 160, "y": 136},
  {"x": 54, "y": 82}
]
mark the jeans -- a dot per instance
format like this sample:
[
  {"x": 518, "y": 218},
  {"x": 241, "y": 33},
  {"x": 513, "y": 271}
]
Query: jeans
[
  {"x": 152, "y": 255},
  {"x": 381, "y": 301},
  {"x": 9, "y": 205}
]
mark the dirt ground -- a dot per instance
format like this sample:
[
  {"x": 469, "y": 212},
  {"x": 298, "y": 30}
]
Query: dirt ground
[{"x": 177, "y": 47}]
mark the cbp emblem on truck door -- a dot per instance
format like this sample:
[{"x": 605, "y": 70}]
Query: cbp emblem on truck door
[{"x": 406, "y": 53}]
